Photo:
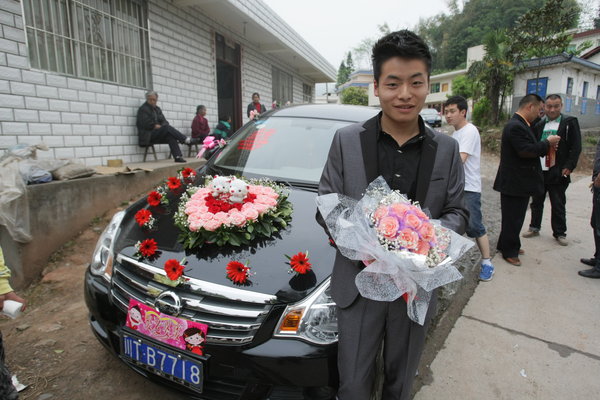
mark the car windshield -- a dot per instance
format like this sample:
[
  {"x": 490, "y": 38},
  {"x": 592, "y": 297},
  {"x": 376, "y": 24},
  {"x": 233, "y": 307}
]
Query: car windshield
[
  {"x": 429, "y": 111},
  {"x": 281, "y": 148}
]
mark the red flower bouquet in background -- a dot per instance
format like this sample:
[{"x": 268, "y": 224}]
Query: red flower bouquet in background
[{"x": 405, "y": 253}]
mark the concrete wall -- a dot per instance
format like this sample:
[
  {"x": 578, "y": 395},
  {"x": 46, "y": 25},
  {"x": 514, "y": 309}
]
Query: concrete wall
[
  {"x": 95, "y": 121},
  {"x": 60, "y": 209}
]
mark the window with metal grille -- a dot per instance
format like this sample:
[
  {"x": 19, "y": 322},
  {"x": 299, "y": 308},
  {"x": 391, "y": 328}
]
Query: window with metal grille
[
  {"x": 282, "y": 86},
  {"x": 307, "y": 93},
  {"x": 104, "y": 40}
]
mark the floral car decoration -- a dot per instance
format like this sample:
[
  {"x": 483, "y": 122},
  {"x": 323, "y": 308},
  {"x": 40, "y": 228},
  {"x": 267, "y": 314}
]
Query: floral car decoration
[{"x": 229, "y": 210}]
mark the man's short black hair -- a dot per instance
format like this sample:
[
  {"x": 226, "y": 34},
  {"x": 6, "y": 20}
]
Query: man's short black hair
[
  {"x": 403, "y": 44},
  {"x": 554, "y": 97},
  {"x": 530, "y": 98},
  {"x": 461, "y": 102}
]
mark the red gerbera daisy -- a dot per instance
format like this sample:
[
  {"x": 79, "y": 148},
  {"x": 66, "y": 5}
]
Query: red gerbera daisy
[
  {"x": 143, "y": 216},
  {"x": 148, "y": 247},
  {"x": 154, "y": 198},
  {"x": 188, "y": 173},
  {"x": 173, "y": 269},
  {"x": 174, "y": 183},
  {"x": 237, "y": 272},
  {"x": 300, "y": 264}
]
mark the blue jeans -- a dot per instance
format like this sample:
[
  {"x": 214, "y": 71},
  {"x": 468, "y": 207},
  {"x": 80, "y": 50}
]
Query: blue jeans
[{"x": 475, "y": 229}]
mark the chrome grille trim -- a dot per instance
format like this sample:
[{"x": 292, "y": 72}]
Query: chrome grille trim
[
  {"x": 208, "y": 288},
  {"x": 231, "y": 320}
]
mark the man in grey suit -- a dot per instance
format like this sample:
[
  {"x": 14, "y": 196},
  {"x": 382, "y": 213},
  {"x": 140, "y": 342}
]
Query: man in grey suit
[{"x": 416, "y": 161}]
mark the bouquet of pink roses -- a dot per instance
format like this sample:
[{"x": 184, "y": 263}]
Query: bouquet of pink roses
[{"x": 406, "y": 253}]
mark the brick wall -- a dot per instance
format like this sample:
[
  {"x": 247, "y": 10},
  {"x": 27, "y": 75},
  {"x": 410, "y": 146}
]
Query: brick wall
[{"x": 95, "y": 121}]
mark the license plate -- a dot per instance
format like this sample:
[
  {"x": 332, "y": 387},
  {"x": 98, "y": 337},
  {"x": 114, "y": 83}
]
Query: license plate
[{"x": 162, "y": 361}]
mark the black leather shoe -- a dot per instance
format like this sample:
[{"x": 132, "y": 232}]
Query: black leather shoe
[
  {"x": 179, "y": 159},
  {"x": 588, "y": 261},
  {"x": 593, "y": 273}
]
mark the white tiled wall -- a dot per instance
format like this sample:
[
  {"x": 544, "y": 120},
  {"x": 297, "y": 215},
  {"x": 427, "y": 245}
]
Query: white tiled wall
[{"x": 95, "y": 121}]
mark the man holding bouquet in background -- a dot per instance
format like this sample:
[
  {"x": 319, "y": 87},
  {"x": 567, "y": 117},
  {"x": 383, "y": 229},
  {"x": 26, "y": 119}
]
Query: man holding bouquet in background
[{"x": 416, "y": 161}]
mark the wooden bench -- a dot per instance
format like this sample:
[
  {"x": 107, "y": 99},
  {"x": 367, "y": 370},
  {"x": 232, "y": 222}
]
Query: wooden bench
[{"x": 150, "y": 146}]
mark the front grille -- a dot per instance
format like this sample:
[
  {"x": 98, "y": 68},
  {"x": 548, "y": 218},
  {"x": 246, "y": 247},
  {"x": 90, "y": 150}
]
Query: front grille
[{"x": 232, "y": 315}]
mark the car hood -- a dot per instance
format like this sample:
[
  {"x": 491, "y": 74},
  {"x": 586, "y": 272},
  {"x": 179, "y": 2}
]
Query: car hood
[{"x": 266, "y": 257}]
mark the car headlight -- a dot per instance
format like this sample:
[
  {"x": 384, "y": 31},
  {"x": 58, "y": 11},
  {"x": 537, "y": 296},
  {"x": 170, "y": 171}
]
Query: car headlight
[
  {"x": 314, "y": 319},
  {"x": 102, "y": 259}
]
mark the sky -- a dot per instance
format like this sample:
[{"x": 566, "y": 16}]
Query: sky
[{"x": 334, "y": 27}]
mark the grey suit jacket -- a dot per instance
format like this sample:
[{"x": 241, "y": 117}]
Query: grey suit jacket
[{"x": 352, "y": 165}]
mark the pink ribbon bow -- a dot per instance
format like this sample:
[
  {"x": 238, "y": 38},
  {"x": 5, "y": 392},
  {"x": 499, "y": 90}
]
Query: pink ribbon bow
[{"x": 208, "y": 143}]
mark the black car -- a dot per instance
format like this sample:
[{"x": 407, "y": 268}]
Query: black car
[
  {"x": 431, "y": 116},
  {"x": 249, "y": 351}
]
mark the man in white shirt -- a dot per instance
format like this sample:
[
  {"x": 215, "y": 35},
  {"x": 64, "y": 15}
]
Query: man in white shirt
[{"x": 469, "y": 143}]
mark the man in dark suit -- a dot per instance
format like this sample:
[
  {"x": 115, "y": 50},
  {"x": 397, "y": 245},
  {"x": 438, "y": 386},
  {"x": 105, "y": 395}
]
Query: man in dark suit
[
  {"x": 519, "y": 174},
  {"x": 557, "y": 176},
  {"x": 416, "y": 161},
  {"x": 154, "y": 128},
  {"x": 594, "y": 262}
]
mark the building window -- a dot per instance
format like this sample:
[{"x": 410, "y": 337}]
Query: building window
[
  {"x": 307, "y": 93},
  {"x": 444, "y": 87},
  {"x": 584, "y": 91},
  {"x": 435, "y": 88},
  {"x": 283, "y": 86},
  {"x": 598, "y": 93},
  {"x": 98, "y": 39},
  {"x": 569, "y": 86}
]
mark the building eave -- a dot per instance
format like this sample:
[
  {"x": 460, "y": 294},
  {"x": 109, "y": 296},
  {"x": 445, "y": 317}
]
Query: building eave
[
  {"x": 257, "y": 23},
  {"x": 536, "y": 63}
]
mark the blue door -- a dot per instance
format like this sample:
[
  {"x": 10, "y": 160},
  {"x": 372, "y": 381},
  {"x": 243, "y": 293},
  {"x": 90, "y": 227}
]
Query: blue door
[{"x": 537, "y": 86}]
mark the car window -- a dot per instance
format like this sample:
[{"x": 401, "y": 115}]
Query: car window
[
  {"x": 429, "y": 111},
  {"x": 282, "y": 148}
]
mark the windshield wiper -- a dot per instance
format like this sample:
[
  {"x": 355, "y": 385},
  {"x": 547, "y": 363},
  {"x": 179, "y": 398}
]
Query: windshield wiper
[{"x": 298, "y": 184}]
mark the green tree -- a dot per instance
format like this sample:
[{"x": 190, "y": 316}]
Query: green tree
[
  {"x": 342, "y": 76},
  {"x": 355, "y": 95},
  {"x": 450, "y": 35},
  {"x": 542, "y": 31},
  {"x": 349, "y": 63},
  {"x": 495, "y": 72},
  {"x": 362, "y": 52},
  {"x": 465, "y": 87}
]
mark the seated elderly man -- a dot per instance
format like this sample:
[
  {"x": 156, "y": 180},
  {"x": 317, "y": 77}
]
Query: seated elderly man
[{"x": 154, "y": 128}]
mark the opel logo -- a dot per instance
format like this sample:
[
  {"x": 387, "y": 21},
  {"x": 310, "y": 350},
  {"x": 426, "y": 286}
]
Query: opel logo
[{"x": 168, "y": 303}]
